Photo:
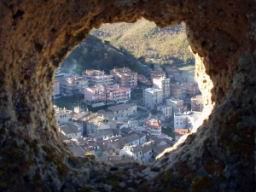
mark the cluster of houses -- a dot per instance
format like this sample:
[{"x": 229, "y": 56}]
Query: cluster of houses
[
  {"x": 125, "y": 130},
  {"x": 97, "y": 87},
  {"x": 176, "y": 96},
  {"x": 116, "y": 139}
]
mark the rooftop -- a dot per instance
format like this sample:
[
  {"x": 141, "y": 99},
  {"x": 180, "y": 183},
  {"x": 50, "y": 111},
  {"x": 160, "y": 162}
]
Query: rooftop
[
  {"x": 153, "y": 123},
  {"x": 152, "y": 90},
  {"x": 69, "y": 128},
  {"x": 131, "y": 137}
]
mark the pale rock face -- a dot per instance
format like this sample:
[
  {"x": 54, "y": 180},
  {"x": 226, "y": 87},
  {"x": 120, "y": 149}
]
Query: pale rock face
[{"x": 35, "y": 36}]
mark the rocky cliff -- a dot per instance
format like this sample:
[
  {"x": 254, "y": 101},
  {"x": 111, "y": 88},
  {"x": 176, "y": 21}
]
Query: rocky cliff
[{"x": 35, "y": 36}]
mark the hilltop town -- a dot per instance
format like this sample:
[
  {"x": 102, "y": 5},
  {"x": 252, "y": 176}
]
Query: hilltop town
[{"x": 123, "y": 116}]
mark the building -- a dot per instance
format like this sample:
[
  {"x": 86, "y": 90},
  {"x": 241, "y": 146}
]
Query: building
[
  {"x": 71, "y": 130},
  {"x": 95, "y": 125},
  {"x": 123, "y": 111},
  {"x": 97, "y": 77},
  {"x": 187, "y": 120},
  {"x": 95, "y": 94},
  {"x": 73, "y": 84},
  {"x": 176, "y": 104},
  {"x": 116, "y": 94},
  {"x": 153, "y": 126},
  {"x": 152, "y": 97},
  {"x": 142, "y": 154},
  {"x": 103, "y": 95},
  {"x": 181, "y": 89},
  {"x": 163, "y": 84},
  {"x": 62, "y": 115},
  {"x": 166, "y": 110},
  {"x": 81, "y": 84},
  {"x": 197, "y": 103},
  {"x": 125, "y": 77},
  {"x": 182, "y": 121},
  {"x": 133, "y": 139}
]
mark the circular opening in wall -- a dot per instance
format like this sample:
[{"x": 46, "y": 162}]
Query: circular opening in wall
[{"x": 130, "y": 92}]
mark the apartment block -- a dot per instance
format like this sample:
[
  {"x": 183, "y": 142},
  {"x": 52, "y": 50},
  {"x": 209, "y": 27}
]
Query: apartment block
[
  {"x": 152, "y": 97},
  {"x": 107, "y": 94},
  {"x": 197, "y": 103},
  {"x": 125, "y": 77},
  {"x": 97, "y": 77}
]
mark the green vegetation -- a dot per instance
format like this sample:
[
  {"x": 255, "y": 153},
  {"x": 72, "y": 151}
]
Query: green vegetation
[
  {"x": 144, "y": 39},
  {"x": 131, "y": 45},
  {"x": 137, "y": 94}
]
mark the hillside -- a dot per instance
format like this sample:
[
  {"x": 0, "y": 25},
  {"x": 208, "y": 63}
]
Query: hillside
[
  {"x": 94, "y": 53},
  {"x": 144, "y": 39},
  {"x": 131, "y": 44}
]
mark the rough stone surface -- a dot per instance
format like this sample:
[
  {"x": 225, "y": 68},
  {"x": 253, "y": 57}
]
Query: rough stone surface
[{"x": 35, "y": 36}]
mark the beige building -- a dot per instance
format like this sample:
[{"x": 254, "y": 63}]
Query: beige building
[
  {"x": 125, "y": 77},
  {"x": 97, "y": 77}
]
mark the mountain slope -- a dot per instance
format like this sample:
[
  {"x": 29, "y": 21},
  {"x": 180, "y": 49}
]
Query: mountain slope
[
  {"x": 144, "y": 39},
  {"x": 131, "y": 44}
]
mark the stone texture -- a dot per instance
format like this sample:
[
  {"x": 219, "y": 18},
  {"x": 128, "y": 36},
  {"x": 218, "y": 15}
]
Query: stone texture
[{"x": 35, "y": 36}]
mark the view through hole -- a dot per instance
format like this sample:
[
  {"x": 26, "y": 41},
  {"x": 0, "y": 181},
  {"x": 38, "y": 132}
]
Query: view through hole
[{"x": 129, "y": 93}]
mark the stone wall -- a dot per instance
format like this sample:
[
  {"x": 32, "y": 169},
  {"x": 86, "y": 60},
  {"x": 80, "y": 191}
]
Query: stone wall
[{"x": 35, "y": 36}]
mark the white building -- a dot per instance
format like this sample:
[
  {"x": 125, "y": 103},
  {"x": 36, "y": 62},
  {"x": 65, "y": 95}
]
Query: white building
[
  {"x": 122, "y": 111},
  {"x": 163, "y": 84},
  {"x": 152, "y": 97},
  {"x": 142, "y": 154},
  {"x": 182, "y": 121},
  {"x": 187, "y": 120}
]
